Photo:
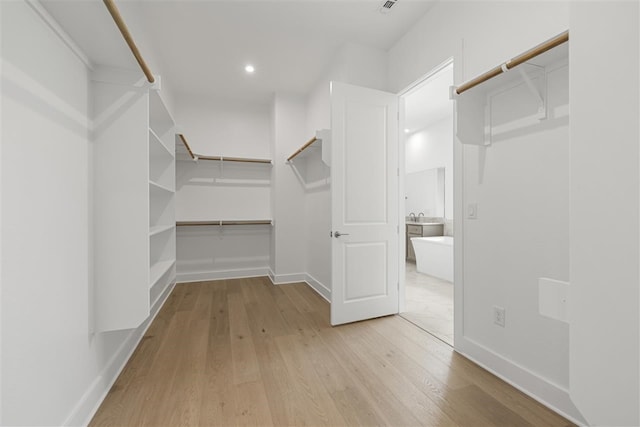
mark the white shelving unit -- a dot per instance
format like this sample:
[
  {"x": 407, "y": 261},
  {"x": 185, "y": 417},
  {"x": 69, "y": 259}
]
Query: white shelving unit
[
  {"x": 134, "y": 202},
  {"x": 162, "y": 184},
  {"x": 223, "y": 207}
]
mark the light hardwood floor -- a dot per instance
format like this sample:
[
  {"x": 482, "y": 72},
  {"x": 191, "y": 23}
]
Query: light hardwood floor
[
  {"x": 245, "y": 352},
  {"x": 429, "y": 303}
]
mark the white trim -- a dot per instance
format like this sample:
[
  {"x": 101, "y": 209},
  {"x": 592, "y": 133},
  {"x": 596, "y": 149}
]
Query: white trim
[
  {"x": 1, "y": 145},
  {"x": 282, "y": 279},
  {"x": 551, "y": 395},
  {"x": 201, "y": 276},
  {"x": 425, "y": 78},
  {"x": 402, "y": 139},
  {"x": 88, "y": 404},
  {"x": 320, "y": 289},
  {"x": 59, "y": 31}
]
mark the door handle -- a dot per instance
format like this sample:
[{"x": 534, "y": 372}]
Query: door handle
[{"x": 338, "y": 234}]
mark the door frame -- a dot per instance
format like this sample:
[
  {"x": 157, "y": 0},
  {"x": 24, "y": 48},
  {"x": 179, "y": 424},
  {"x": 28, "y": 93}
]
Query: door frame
[{"x": 457, "y": 193}]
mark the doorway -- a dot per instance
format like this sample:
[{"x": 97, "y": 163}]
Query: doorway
[{"x": 427, "y": 291}]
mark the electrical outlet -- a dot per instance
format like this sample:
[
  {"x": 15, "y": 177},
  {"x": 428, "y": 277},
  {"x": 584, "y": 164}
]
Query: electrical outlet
[{"x": 499, "y": 315}]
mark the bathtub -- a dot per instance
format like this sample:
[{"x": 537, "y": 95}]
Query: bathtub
[{"x": 434, "y": 256}]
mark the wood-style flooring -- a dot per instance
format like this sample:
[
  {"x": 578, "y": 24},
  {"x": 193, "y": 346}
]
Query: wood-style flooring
[
  {"x": 246, "y": 352},
  {"x": 429, "y": 303}
]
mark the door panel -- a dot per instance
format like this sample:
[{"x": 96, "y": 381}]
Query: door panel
[
  {"x": 365, "y": 271},
  {"x": 365, "y": 168},
  {"x": 364, "y": 196}
]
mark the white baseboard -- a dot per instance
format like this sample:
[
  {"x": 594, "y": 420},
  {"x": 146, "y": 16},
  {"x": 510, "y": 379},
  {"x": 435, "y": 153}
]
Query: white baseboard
[
  {"x": 283, "y": 279},
  {"x": 321, "y": 289},
  {"x": 551, "y": 395},
  {"x": 88, "y": 405},
  {"x": 222, "y": 274}
]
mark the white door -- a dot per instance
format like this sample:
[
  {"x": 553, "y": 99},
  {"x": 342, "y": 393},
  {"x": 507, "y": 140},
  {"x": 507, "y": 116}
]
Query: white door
[{"x": 364, "y": 203}]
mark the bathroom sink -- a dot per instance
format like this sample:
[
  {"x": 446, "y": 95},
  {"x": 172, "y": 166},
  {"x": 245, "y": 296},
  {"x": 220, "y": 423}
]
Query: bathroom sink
[{"x": 424, "y": 221}]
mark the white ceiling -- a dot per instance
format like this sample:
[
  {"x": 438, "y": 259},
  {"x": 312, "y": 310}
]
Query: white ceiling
[
  {"x": 202, "y": 46},
  {"x": 429, "y": 102}
]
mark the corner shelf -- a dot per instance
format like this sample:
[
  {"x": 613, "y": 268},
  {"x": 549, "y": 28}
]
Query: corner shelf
[
  {"x": 158, "y": 229},
  {"x": 156, "y": 141},
  {"x": 135, "y": 203},
  {"x": 158, "y": 270},
  {"x": 154, "y": 187}
]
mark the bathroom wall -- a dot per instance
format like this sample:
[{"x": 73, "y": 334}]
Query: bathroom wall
[
  {"x": 430, "y": 148},
  {"x": 211, "y": 190}
]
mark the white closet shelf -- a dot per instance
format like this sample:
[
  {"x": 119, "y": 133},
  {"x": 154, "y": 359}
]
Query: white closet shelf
[
  {"x": 160, "y": 229},
  {"x": 514, "y": 62},
  {"x": 155, "y": 139},
  {"x": 307, "y": 145},
  {"x": 318, "y": 144},
  {"x": 158, "y": 270},
  {"x": 159, "y": 115},
  {"x": 218, "y": 222},
  {"x": 160, "y": 293},
  {"x": 159, "y": 189}
]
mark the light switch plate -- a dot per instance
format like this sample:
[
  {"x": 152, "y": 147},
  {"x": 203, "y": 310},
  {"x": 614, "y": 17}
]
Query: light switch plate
[{"x": 472, "y": 211}]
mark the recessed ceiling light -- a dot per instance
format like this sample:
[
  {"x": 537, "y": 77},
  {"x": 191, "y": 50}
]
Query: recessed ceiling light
[
  {"x": 249, "y": 68},
  {"x": 407, "y": 131}
]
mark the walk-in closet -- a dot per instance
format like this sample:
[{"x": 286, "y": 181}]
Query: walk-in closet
[{"x": 207, "y": 215}]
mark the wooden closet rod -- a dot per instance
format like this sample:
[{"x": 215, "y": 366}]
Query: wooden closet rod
[
  {"x": 301, "y": 149},
  {"x": 184, "y": 141},
  {"x": 233, "y": 159},
  {"x": 514, "y": 62},
  {"x": 239, "y": 222},
  {"x": 219, "y": 158},
  {"x": 115, "y": 14}
]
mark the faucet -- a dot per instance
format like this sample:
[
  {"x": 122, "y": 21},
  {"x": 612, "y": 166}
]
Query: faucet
[
  {"x": 420, "y": 214},
  {"x": 412, "y": 215}
]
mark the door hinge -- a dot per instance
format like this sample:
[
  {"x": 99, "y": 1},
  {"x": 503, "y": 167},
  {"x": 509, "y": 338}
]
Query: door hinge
[
  {"x": 398, "y": 229},
  {"x": 397, "y": 172}
]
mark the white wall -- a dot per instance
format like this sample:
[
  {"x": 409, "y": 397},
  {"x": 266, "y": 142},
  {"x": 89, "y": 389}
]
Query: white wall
[
  {"x": 289, "y": 116},
  {"x": 225, "y": 128},
  {"x": 433, "y": 148},
  {"x": 211, "y": 190},
  {"x": 605, "y": 183},
  {"x": 525, "y": 223},
  {"x": 521, "y": 186},
  {"x": 50, "y": 358}
]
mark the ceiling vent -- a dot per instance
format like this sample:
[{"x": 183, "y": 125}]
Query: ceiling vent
[{"x": 387, "y": 5}]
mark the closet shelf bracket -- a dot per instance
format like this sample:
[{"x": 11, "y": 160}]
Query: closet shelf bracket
[
  {"x": 536, "y": 92},
  {"x": 534, "y": 78}
]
